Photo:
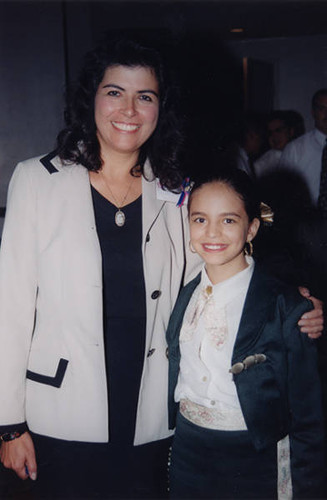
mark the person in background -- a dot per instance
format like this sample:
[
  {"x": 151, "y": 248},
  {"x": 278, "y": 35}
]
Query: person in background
[
  {"x": 249, "y": 143},
  {"x": 244, "y": 390},
  {"x": 297, "y": 192},
  {"x": 282, "y": 127},
  {"x": 304, "y": 156},
  {"x": 296, "y": 122}
]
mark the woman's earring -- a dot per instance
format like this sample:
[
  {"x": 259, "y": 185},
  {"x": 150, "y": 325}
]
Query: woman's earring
[
  {"x": 248, "y": 249},
  {"x": 191, "y": 247}
]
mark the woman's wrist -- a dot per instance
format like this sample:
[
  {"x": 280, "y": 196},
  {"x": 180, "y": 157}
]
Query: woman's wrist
[
  {"x": 13, "y": 431},
  {"x": 10, "y": 436}
]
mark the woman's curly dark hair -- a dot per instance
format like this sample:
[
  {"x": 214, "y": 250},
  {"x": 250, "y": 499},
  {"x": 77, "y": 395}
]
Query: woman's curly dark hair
[{"x": 78, "y": 143}]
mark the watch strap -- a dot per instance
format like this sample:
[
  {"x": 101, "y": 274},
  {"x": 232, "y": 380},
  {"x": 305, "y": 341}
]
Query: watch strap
[{"x": 10, "y": 436}]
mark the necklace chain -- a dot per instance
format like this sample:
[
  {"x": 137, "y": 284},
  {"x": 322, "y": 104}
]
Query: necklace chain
[
  {"x": 119, "y": 205},
  {"x": 120, "y": 217}
]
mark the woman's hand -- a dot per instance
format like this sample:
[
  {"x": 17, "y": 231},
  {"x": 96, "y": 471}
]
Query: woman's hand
[
  {"x": 312, "y": 322},
  {"x": 19, "y": 455}
]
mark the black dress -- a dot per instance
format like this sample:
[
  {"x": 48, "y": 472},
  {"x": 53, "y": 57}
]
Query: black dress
[
  {"x": 70, "y": 469},
  {"x": 124, "y": 311},
  {"x": 141, "y": 470}
]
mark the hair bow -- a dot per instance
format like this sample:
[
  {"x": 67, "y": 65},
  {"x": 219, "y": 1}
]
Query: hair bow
[{"x": 266, "y": 215}]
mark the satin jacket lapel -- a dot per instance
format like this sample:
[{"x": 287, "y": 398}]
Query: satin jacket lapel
[
  {"x": 177, "y": 316},
  {"x": 172, "y": 337},
  {"x": 255, "y": 313}
]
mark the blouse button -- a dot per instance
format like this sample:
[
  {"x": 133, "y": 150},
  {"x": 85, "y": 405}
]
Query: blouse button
[
  {"x": 155, "y": 294},
  {"x": 212, "y": 403},
  {"x": 204, "y": 379}
]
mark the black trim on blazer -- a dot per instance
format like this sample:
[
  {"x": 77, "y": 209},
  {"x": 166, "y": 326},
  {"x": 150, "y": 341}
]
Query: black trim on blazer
[
  {"x": 55, "y": 381},
  {"x": 46, "y": 162},
  {"x": 21, "y": 427}
]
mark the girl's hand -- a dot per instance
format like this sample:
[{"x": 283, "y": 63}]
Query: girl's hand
[
  {"x": 312, "y": 322},
  {"x": 19, "y": 455}
]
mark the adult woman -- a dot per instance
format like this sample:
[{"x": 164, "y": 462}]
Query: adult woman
[
  {"x": 74, "y": 222},
  {"x": 120, "y": 116}
]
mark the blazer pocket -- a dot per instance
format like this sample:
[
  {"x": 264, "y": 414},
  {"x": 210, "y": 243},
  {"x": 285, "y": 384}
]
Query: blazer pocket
[{"x": 55, "y": 381}]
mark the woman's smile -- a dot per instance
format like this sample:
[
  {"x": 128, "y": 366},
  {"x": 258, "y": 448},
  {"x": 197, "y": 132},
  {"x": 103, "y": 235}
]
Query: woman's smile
[
  {"x": 126, "y": 127},
  {"x": 126, "y": 109}
]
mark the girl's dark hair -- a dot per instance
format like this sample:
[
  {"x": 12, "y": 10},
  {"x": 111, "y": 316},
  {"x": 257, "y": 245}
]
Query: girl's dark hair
[
  {"x": 78, "y": 143},
  {"x": 238, "y": 181}
]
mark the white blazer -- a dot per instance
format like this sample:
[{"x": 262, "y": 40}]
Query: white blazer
[{"x": 52, "y": 371}]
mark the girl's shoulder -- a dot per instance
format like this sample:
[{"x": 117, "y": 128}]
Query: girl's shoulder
[{"x": 286, "y": 296}]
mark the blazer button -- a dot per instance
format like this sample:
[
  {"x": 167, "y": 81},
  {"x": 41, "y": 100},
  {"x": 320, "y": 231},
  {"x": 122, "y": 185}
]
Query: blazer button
[
  {"x": 167, "y": 353},
  {"x": 147, "y": 238},
  {"x": 156, "y": 294}
]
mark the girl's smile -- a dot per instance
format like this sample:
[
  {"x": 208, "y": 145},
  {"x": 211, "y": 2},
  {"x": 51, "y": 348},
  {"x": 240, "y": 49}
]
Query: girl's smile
[
  {"x": 209, "y": 247},
  {"x": 219, "y": 228}
]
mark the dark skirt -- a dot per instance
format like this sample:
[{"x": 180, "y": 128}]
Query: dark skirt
[
  {"x": 208, "y": 463},
  {"x": 76, "y": 470}
]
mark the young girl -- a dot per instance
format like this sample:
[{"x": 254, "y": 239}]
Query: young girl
[{"x": 244, "y": 392}]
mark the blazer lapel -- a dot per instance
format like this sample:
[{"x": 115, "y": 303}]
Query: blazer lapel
[
  {"x": 151, "y": 206},
  {"x": 255, "y": 313},
  {"x": 81, "y": 226}
]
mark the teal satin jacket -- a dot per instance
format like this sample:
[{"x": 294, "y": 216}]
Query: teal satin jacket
[{"x": 281, "y": 395}]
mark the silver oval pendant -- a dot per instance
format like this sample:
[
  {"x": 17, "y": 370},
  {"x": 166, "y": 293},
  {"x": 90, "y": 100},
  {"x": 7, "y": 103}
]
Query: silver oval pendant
[{"x": 120, "y": 218}]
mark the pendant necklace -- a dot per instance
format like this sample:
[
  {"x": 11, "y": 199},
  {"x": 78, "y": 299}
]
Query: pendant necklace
[{"x": 120, "y": 217}]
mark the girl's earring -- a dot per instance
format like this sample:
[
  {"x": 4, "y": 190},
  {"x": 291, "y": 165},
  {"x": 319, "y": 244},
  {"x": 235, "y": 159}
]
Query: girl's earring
[
  {"x": 248, "y": 249},
  {"x": 191, "y": 247}
]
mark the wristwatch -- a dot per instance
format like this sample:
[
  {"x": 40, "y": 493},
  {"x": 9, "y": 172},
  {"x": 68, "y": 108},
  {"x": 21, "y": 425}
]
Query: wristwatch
[{"x": 10, "y": 436}]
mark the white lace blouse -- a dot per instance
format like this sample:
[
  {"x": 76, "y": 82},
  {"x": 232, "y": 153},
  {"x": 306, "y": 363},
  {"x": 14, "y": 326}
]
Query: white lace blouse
[{"x": 207, "y": 340}]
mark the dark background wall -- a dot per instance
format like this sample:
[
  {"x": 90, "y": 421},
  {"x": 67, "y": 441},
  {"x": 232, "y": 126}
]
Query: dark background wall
[
  {"x": 31, "y": 81},
  {"x": 42, "y": 43}
]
